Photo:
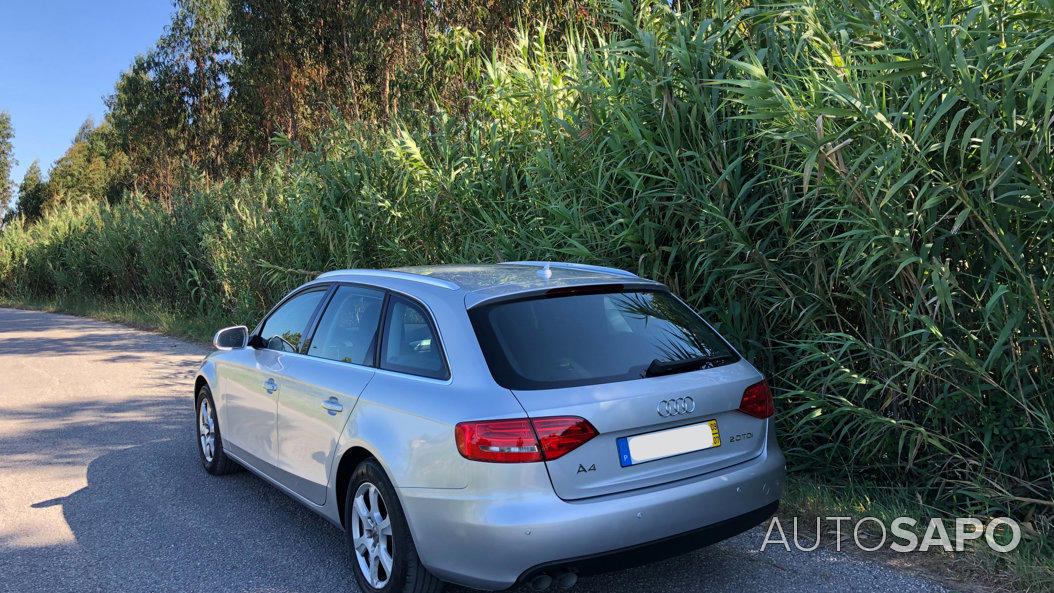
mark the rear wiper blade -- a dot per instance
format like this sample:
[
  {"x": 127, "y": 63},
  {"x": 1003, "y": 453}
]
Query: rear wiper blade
[{"x": 670, "y": 367}]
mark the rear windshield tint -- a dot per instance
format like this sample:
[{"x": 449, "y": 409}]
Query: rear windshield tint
[{"x": 584, "y": 339}]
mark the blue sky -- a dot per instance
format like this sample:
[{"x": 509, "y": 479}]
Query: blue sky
[{"x": 60, "y": 58}]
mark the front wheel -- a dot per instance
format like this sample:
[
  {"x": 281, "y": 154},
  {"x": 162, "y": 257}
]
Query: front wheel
[
  {"x": 210, "y": 445},
  {"x": 381, "y": 549}
]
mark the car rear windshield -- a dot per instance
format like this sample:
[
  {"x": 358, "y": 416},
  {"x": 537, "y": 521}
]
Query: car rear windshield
[{"x": 584, "y": 339}]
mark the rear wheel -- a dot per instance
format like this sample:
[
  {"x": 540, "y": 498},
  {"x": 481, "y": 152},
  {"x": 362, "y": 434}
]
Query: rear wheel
[
  {"x": 210, "y": 445},
  {"x": 380, "y": 546}
]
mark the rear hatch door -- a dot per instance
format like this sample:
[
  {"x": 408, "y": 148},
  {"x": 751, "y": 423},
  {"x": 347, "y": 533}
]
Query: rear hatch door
[
  {"x": 631, "y": 361},
  {"x": 630, "y": 408}
]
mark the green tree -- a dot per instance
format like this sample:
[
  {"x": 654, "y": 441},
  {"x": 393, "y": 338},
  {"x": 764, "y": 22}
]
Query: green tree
[
  {"x": 7, "y": 161},
  {"x": 283, "y": 71},
  {"x": 91, "y": 169},
  {"x": 148, "y": 123},
  {"x": 227, "y": 76},
  {"x": 195, "y": 57},
  {"x": 32, "y": 193}
]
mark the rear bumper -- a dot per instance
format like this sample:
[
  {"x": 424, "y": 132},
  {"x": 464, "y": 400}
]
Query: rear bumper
[
  {"x": 491, "y": 540},
  {"x": 654, "y": 551}
]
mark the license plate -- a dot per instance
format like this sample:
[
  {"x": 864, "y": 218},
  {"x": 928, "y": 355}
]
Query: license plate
[{"x": 667, "y": 443}]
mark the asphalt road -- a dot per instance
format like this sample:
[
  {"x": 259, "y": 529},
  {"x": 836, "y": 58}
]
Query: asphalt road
[{"x": 101, "y": 490}]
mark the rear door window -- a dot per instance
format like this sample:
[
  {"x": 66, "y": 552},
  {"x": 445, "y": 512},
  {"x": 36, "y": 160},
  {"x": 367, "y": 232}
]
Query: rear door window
[
  {"x": 347, "y": 330},
  {"x": 584, "y": 339},
  {"x": 284, "y": 329},
  {"x": 410, "y": 342}
]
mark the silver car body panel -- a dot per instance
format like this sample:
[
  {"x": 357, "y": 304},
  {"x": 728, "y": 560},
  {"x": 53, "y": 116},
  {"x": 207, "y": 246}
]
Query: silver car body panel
[
  {"x": 521, "y": 514},
  {"x": 307, "y": 432},
  {"x": 240, "y": 393}
]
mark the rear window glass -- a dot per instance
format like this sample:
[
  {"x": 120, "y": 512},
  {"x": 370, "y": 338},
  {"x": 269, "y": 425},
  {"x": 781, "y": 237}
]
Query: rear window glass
[{"x": 584, "y": 339}]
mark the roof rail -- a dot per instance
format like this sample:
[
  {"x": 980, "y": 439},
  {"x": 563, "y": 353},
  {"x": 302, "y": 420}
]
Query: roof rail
[
  {"x": 570, "y": 266},
  {"x": 391, "y": 274}
]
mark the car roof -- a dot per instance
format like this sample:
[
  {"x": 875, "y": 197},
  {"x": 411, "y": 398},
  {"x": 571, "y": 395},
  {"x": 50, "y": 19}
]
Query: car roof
[{"x": 478, "y": 283}]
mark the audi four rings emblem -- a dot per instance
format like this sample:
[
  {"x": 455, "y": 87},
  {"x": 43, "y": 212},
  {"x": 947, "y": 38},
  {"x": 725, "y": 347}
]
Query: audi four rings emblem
[{"x": 675, "y": 407}]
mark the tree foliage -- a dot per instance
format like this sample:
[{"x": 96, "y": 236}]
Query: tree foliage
[
  {"x": 92, "y": 168},
  {"x": 229, "y": 75},
  {"x": 32, "y": 193},
  {"x": 7, "y": 162}
]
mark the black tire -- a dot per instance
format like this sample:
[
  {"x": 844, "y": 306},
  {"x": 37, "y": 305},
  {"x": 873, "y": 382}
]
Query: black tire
[
  {"x": 408, "y": 575},
  {"x": 219, "y": 464}
]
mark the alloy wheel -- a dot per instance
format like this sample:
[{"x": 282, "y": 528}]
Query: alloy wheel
[
  {"x": 206, "y": 430},
  {"x": 372, "y": 539}
]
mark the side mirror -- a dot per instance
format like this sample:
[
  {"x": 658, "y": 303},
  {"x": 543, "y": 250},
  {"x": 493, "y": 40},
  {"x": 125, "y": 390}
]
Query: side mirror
[{"x": 230, "y": 338}]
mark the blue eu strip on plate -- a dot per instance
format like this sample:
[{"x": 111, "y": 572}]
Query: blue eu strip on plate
[{"x": 623, "y": 452}]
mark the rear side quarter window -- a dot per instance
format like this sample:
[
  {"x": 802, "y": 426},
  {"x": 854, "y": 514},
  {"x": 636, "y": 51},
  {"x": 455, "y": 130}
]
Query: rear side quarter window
[{"x": 410, "y": 343}]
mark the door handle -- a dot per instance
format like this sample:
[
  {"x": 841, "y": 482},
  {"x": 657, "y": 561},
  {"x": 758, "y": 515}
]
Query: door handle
[
  {"x": 332, "y": 406},
  {"x": 270, "y": 386}
]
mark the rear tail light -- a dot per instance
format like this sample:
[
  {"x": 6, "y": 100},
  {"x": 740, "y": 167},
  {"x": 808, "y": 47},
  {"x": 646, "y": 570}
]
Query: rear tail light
[
  {"x": 522, "y": 440},
  {"x": 502, "y": 441},
  {"x": 757, "y": 401},
  {"x": 562, "y": 435}
]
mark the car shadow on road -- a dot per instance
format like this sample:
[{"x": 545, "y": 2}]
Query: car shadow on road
[
  {"x": 73, "y": 433},
  {"x": 150, "y": 518}
]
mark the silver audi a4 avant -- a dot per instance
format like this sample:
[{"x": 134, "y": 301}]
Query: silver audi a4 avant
[{"x": 489, "y": 425}]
